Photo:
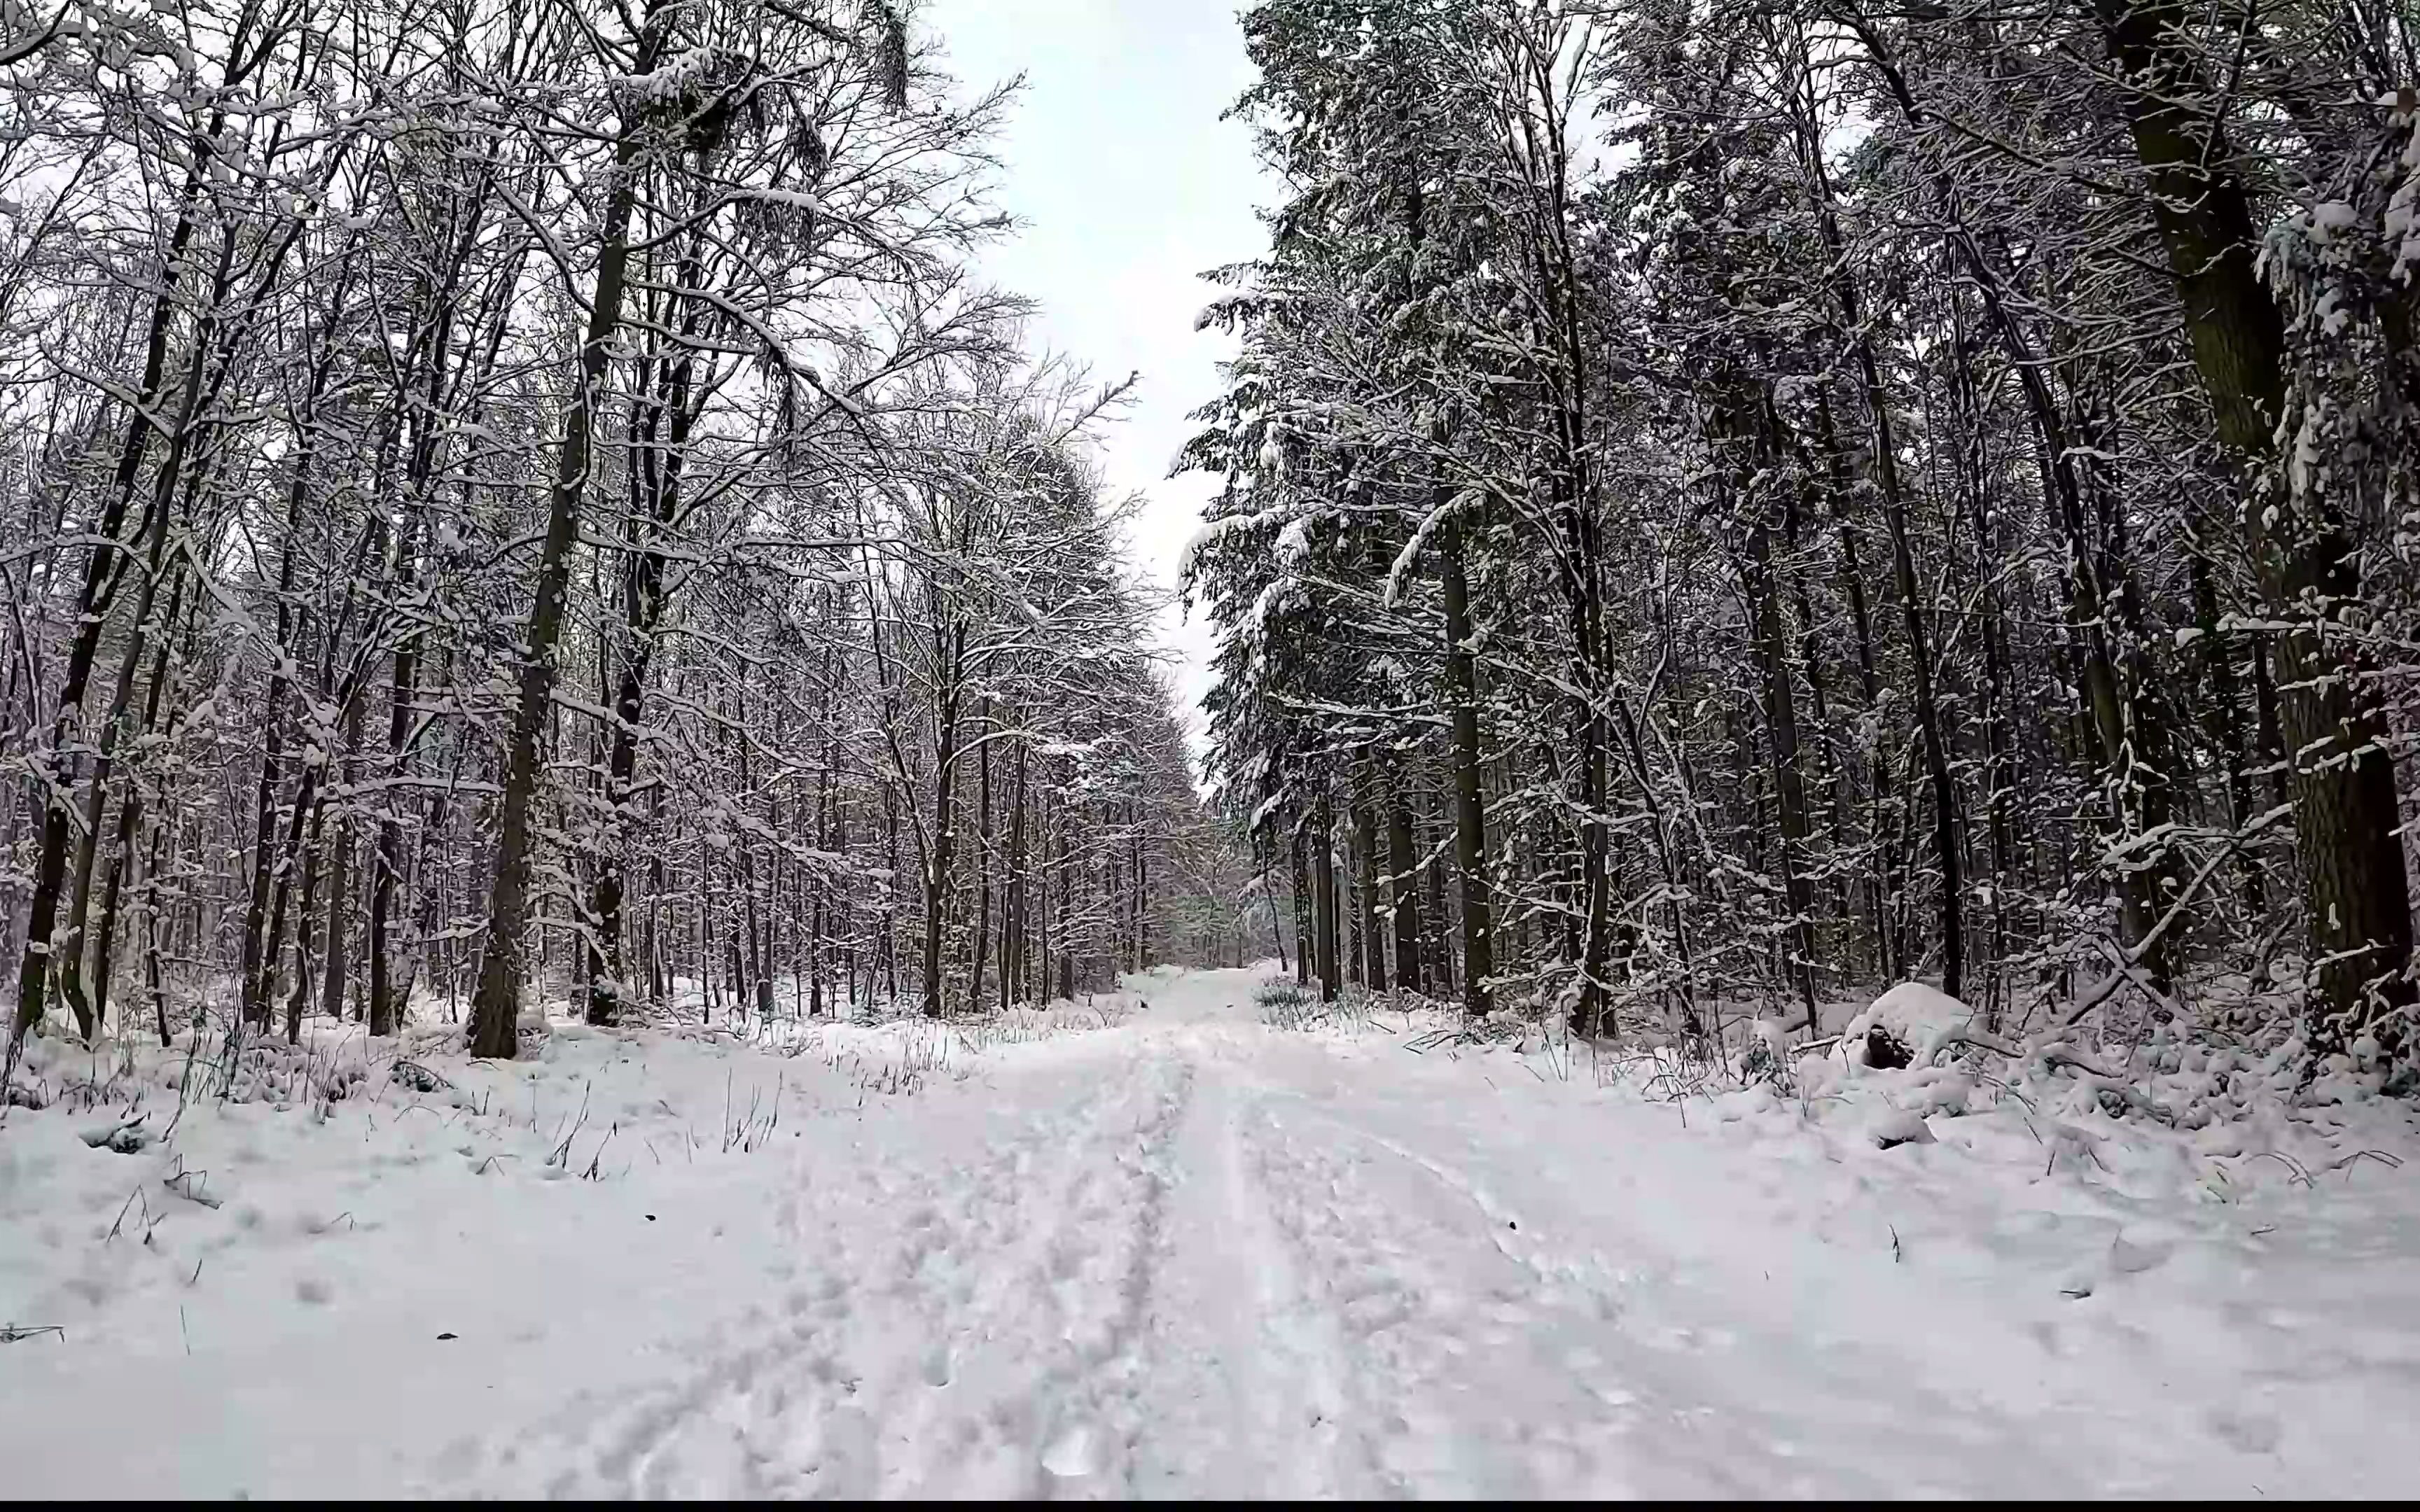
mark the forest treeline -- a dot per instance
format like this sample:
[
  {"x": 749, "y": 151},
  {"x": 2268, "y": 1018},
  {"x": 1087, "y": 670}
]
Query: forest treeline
[
  {"x": 1742, "y": 501},
  {"x": 517, "y": 492}
]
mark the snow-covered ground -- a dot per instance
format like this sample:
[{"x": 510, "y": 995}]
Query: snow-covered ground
[{"x": 1179, "y": 1251}]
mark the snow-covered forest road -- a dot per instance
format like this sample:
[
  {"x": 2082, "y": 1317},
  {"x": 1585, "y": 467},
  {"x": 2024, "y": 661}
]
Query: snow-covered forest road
[
  {"x": 1183, "y": 1256},
  {"x": 1189, "y": 1253}
]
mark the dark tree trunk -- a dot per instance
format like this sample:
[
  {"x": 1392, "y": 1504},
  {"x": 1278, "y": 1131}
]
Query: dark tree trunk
[
  {"x": 977, "y": 952},
  {"x": 337, "y": 956},
  {"x": 2357, "y": 907},
  {"x": 1782, "y": 721},
  {"x": 102, "y": 573},
  {"x": 1013, "y": 930},
  {"x": 1306, "y": 912},
  {"x": 1367, "y": 870},
  {"x": 1469, "y": 817},
  {"x": 496, "y": 1006},
  {"x": 1322, "y": 845},
  {"x": 1403, "y": 889},
  {"x": 940, "y": 850}
]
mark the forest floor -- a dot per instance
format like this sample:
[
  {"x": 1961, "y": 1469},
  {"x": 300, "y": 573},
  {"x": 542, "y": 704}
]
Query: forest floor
[{"x": 1180, "y": 1251}]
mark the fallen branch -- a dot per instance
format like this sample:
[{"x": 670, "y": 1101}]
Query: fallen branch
[
  {"x": 418, "y": 1077},
  {"x": 2126, "y": 961},
  {"x": 13, "y": 1332}
]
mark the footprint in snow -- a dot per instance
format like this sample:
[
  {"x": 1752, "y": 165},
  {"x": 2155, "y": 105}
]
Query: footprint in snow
[
  {"x": 2132, "y": 1260},
  {"x": 850, "y": 1464},
  {"x": 1077, "y": 1451}
]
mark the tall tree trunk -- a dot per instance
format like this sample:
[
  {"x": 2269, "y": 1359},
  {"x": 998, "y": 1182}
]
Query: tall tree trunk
[
  {"x": 1012, "y": 926},
  {"x": 1322, "y": 845},
  {"x": 2356, "y": 906},
  {"x": 1790, "y": 791},
  {"x": 1370, "y": 874},
  {"x": 976, "y": 952},
  {"x": 1059, "y": 926},
  {"x": 2121, "y": 757},
  {"x": 385, "y": 1004},
  {"x": 306, "y": 898},
  {"x": 938, "y": 853},
  {"x": 102, "y": 573},
  {"x": 157, "y": 523},
  {"x": 336, "y": 958},
  {"x": 1306, "y": 913},
  {"x": 1469, "y": 817},
  {"x": 1931, "y": 738},
  {"x": 129, "y": 811},
  {"x": 1402, "y": 888},
  {"x": 496, "y": 1006}
]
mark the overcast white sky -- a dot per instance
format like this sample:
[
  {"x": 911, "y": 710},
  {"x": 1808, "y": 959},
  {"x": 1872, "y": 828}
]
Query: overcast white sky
[{"x": 1129, "y": 186}]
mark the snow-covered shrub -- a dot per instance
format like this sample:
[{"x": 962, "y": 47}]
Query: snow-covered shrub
[{"x": 1907, "y": 1024}]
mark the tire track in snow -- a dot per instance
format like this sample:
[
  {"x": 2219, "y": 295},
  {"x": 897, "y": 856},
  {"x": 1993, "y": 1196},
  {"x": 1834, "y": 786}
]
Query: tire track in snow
[
  {"x": 1190, "y": 1256},
  {"x": 1516, "y": 1369},
  {"x": 1466, "y": 1377},
  {"x": 1108, "y": 1259},
  {"x": 979, "y": 1244},
  {"x": 1589, "y": 1284},
  {"x": 1239, "y": 1396}
]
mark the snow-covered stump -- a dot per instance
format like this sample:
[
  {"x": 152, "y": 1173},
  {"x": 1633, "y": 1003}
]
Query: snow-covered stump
[{"x": 1905, "y": 1027}]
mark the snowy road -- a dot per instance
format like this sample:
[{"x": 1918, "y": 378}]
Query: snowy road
[
  {"x": 1190, "y": 1255},
  {"x": 1194, "y": 1256},
  {"x": 1175, "y": 1257}
]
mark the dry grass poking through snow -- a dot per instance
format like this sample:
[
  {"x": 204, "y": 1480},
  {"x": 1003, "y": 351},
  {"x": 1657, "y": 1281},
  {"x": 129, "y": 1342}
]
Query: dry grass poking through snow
[{"x": 133, "y": 1175}]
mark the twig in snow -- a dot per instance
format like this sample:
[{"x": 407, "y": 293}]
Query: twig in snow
[
  {"x": 590, "y": 1173},
  {"x": 562, "y": 1153},
  {"x": 13, "y": 1332},
  {"x": 2295, "y": 1169},
  {"x": 130, "y": 1198},
  {"x": 2346, "y": 1164},
  {"x": 186, "y": 1188}
]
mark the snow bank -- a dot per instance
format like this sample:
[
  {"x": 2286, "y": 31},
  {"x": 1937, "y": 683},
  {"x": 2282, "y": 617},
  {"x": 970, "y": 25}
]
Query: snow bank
[
  {"x": 2054, "y": 1272},
  {"x": 367, "y": 1247}
]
